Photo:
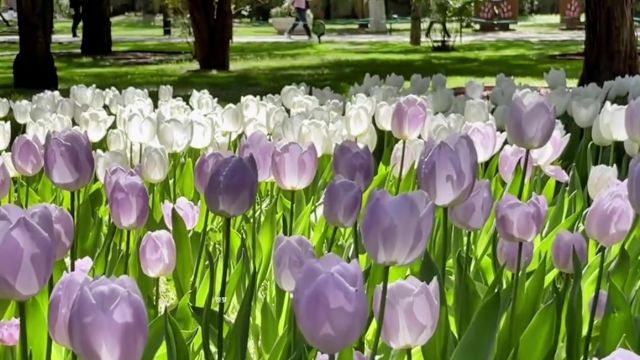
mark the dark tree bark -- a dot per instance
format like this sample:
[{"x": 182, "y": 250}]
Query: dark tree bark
[
  {"x": 96, "y": 27},
  {"x": 610, "y": 44},
  {"x": 415, "y": 36},
  {"x": 212, "y": 26},
  {"x": 34, "y": 67}
]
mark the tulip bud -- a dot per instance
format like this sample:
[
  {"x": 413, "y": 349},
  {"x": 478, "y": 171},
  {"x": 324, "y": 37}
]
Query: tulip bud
[
  {"x": 62, "y": 229},
  {"x": 289, "y": 256},
  {"x": 128, "y": 200},
  {"x": 395, "y": 230},
  {"x": 601, "y": 307},
  {"x": 565, "y": 245},
  {"x": 205, "y": 166},
  {"x": 141, "y": 129},
  {"x": 610, "y": 125},
  {"x": 447, "y": 171},
  {"x": 232, "y": 187},
  {"x": 600, "y": 178},
  {"x": 154, "y": 165},
  {"x": 5, "y": 107},
  {"x": 354, "y": 163},
  {"x": 98, "y": 328},
  {"x": 27, "y": 155},
  {"x": 62, "y": 298},
  {"x": 342, "y": 201},
  {"x": 357, "y": 120},
  {"x": 21, "y": 111},
  {"x": 165, "y": 92},
  {"x": 530, "y": 122},
  {"x": 584, "y": 110},
  {"x": 521, "y": 222},
  {"x": 476, "y": 111},
  {"x": 472, "y": 214},
  {"x": 293, "y": 167},
  {"x": 556, "y": 78},
  {"x": 508, "y": 255},
  {"x": 5, "y": 180},
  {"x": 5, "y": 135},
  {"x": 259, "y": 146},
  {"x": 411, "y": 304},
  {"x": 158, "y": 254},
  {"x": 486, "y": 139},
  {"x": 68, "y": 160},
  {"x": 330, "y": 303},
  {"x": 9, "y": 332},
  {"x": 175, "y": 135},
  {"x": 189, "y": 213},
  {"x": 409, "y": 117},
  {"x": 610, "y": 216},
  {"x": 383, "y": 115}
]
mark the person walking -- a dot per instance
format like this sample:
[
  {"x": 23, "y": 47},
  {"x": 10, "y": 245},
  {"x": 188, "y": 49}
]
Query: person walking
[
  {"x": 300, "y": 7},
  {"x": 76, "y": 6}
]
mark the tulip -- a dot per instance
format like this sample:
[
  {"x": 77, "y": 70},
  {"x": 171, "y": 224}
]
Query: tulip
[
  {"x": 175, "y": 135},
  {"x": 293, "y": 167},
  {"x": 447, "y": 171},
  {"x": 473, "y": 213},
  {"x": 154, "y": 165},
  {"x": 520, "y": 222},
  {"x": 56, "y": 222},
  {"x": 165, "y": 92},
  {"x": 584, "y": 110},
  {"x": 342, "y": 201},
  {"x": 5, "y": 107},
  {"x": 331, "y": 304},
  {"x": 62, "y": 298},
  {"x": 601, "y": 307},
  {"x": 565, "y": 245},
  {"x": 474, "y": 89},
  {"x": 202, "y": 130},
  {"x": 27, "y": 155},
  {"x": 5, "y": 180},
  {"x": 560, "y": 98},
  {"x": 106, "y": 161},
  {"x": 357, "y": 120},
  {"x": 530, "y": 122},
  {"x": 632, "y": 120},
  {"x": 128, "y": 200},
  {"x": 610, "y": 216},
  {"x": 158, "y": 254},
  {"x": 141, "y": 129},
  {"x": 354, "y": 163},
  {"x": 600, "y": 178},
  {"x": 486, "y": 139},
  {"x": 409, "y": 117},
  {"x": 21, "y": 111},
  {"x": 25, "y": 245},
  {"x": 545, "y": 156},
  {"x": 95, "y": 123},
  {"x": 98, "y": 327},
  {"x": 289, "y": 256},
  {"x": 633, "y": 184},
  {"x": 556, "y": 78},
  {"x": 610, "y": 125},
  {"x": 259, "y": 146},
  {"x": 9, "y": 332},
  {"x": 442, "y": 127},
  {"x": 510, "y": 158},
  {"x": 412, "y": 311},
  {"x": 68, "y": 160},
  {"x": 395, "y": 230},
  {"x": 476, "y": 111},
  {"x": 508, "y": 255},
  {"x": 188, "y": 211},
  {"x": 412, "y": 151},
  {"x": 5, "y": 134},
  {"x": 383, "y": 115},
  {"x": 205, "y": 166},
  {"x": 622, "y": 354},
  {"x": 232, "y": 187}
]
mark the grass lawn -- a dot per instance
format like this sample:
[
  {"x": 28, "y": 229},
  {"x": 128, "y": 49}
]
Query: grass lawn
[{"x": 261, "y": 68}]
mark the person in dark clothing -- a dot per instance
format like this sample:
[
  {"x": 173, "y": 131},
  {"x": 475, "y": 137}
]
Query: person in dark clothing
[
  {"x": 76, "y": 6},
  {"x": 300, "y": 7}
]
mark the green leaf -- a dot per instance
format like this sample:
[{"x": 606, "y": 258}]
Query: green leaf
[
  {"x": 239, "y": 334},
  {"x": 536, "y": 341},
  {"x": 268, "y": 327},
  {"x": 156, "y": 337},
  {"x": 479, "y": 341},
  {"x": 573, "y": 320},
  {"x": 266, "y": 239},
  {"x": 186, "y": 180},
  {"x": 176, "y": 344},
  {"x": 619, "y": 272},
  {"x": 617, "y": 323},
  {"x": 533, "y": 297},
  {"x": 184, "y": 259},
  {"x": 466, "y": 299},
  {"x": 36, "y": 309}
]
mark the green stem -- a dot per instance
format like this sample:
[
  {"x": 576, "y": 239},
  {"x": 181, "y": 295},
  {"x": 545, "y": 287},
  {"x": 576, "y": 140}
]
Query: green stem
[
  {"x": 467, "y": 257},
  {"x": 49, "y": 342},
  {"x": 127, "y": 251},
  {"x": 157, "y": 296},
  {"x": 594, "y": 304},
  {"x": 523, "y": 181},
  {"x": 294, "y": 329},
  {"x": 74, "y": 248},
  {"x": 223, "y": 286},
  {"x": 612, "y": 154},
  {"x": 292, "y": 213},
  {"x": 196, "y": 270},
  {"x": 381, "y": 310},
  {"x": 332, "y": 357},
  {"x": 356, "y": 252},
  {"x": 409, "y": 354},
  {"x": 443, "y": 275},
  {"x": 516, "y": 282},
  {"x": 404, "y": 146},
  {"x": 24, "y": 345},
  {"x": 26, "y": 192},
  {"x": 333, "y": 238},
  {"x": 207, "y": 307},
  {"x": 254, "y": 234}
]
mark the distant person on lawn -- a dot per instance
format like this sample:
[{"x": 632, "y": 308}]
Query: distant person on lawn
[
  {"x": 300, "y": 7},
  {"x": 76, "y": 6}
]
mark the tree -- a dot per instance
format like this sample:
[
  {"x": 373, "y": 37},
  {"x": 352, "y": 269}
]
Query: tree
[
  {"x": 212, "y": 26},
  {"x": 96, "y": 27},
  {"x": 34, "y": 67},
  {"x": 416, "y": 22},
  {"x": 610, "y": 44}
]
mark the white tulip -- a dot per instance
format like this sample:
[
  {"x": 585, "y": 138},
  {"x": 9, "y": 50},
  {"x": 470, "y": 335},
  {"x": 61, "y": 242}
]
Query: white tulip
[
  {"x": 476, "y": 111},
  {"x": 289, "y": 93},
  {"x": 556, "y": 78},
  {"x": 6, "y": 159},
  {"x": 384, "y": 114},
  {"x": 230, "y": 119},
  {"x": 303, "y": 104},
  {"x": 66, "y": 107},
  {"x": 253, "y": 125},
  {"x": 5, "y": 134},
  {"x": 634, "y": 87},
  {"x": 438, "y": 82},
  {"x": 106, "y": 160},
  {"x": 584, "y": 111},
  {"x": 5, "y": 107},
  {"x": 505, "y": 82},
  {"x": 98, "y": 99},
  {"x": 117, "y": 140},
  {"x": 394, "y": 80},
  {"x": 175, "y": 135},
  {"x": 141, "y": 129},
  {"x": 131, "y": 95},
  {"x": 316, "y": 132},
  {"x": 204, "y": 102},
  {"x": 276, "y": 115},
  {"x": 154, "y": 165},
  {"x": 631, "y": 148},
  {"x": 357, "y": 121},
  {"x": 501, "y": 114},
  {"x": 165, "y": 92},
  {"x": 502, "y": 95},
  {"x": 368, "y": 102},
  {"x": 82, "y": 94},
  {"x": 219, "y": 142},
  {"x": 46, "y": 100},
  {"x": 618, "y": 88},
  {"x": 369, "y": 138},
  {"x": 273, "y": 99},
  {"x": 600, "y": 177},
  {"x": 21, "y": 111},
  {"x": 560, "y": 97},
  {"x": 384, "y": 93},
  {"x": 37, "y": 130},
  {"x": 412, "y": 152},
  {"x": 95, "y": 122},
  {"x": 442, "y": 100},
  {"x": 609, "y": 126},
  {"x": 114, "y": 100},
  {"x": 39, "y": 113},
  {"x": 202, "y": 130},
  {"x": 474, "y": 89},
  {"x": 371, "y": 81},
  {"x": 249, "y": 106},
  {"x": 419, "y": 85},
  {"x": 442, "y": 127},
  {"x": 59, "y": 122},
  {"x": 459, "y": 103}
]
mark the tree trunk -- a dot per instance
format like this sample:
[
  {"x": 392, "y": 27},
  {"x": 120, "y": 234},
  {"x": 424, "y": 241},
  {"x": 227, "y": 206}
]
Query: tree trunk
[
  {"x": 96, "y": 27},
  {"x": 610, "y": 45},
  {"x": 377, "y": 16},
  {"x": 223, "y": 33},
  {"x": 416, "y": 23},
  {"x": 34, "y": 67},
  {"x": 202, "y": 13}
]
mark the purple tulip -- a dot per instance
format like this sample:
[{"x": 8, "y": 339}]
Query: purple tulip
[
  {"x": 9, "y": 332},
  {"x": 204, "y": 167},
  {"x": 56, "y": 222},
  {"x": 330, "y": 304},
  {"x": 258, "y": 145},
  {"x": 354, "y": 163},
  {"x": 564, "y": 246},
  {"x": 5, "y": 180},
  {"x": 601, "y": 307},
  {"x": 289, "y": 256},
  {"x": 109, "y": 320},
  {"x": 409, "y": 117},
  {"x": 632, "y": 120},
  {"x": 395, "y": 230},
  {"x": 447, "y": 171},
  {"x": 84, "y": 265},
  {"x": 68, "y": 160},
  {"x": 188, "y": 211},
  {"x": 158, "y": 254},
  {"x": 531, "y": 121},
  {"x": 473, "y": 213},
  {"x": 293, "y": 167},
  {"x": 610, "y": 216},
  {"x": 62, "y": 298},
  {"x": 508, "y": 255},
  {"x": 342, "y": 201},
  {"x": 26, "y": 255},
  {"x": 27, "y": 155},
  {"x": 412, "y": 311},
  {"x": 622, "y": 354},
  {"x": 233, "y": 186},
  {"x": 521, "y": 222},
  {"x": 128, "y": 201},
  {"x": 633, "y": 184},
  {"x": 511, "y": 158},
  {"x": 486, "y": 139}
]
